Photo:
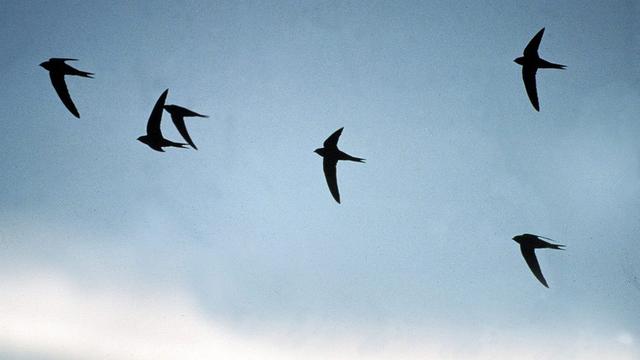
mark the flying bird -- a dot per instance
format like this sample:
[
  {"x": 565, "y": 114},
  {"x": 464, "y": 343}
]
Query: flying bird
[
  {"x": 531, "y": 62},
  {"x": 331, "y": 155},
  {"x": 528, "y": 244},
  {"x": 154, "y": 138},
  {"x": 178, "y": 113},
  {"x": 57, "y": 70}
]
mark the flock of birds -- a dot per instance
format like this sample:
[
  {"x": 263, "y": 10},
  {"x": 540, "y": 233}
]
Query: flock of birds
[{"x": 331, "y": 154}]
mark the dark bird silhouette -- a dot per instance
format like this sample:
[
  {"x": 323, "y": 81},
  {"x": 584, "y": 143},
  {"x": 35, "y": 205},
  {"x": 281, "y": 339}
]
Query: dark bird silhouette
[
  {"x": 178, "y": 113},
  {"x": 528, "y": 244},
  {"x": 331, "y": 155},
  {"x": 57, "y": 70},
  {"x": 531, "y": 62},
  {"x": 154, "y": 137}
]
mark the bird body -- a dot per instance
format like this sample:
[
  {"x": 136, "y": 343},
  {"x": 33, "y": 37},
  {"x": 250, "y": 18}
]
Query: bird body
[
  {"x": 528, "y": 244},
  {"x": 57, "y": 70},
  {"x": 331, "y": 155},
  {"x": 531, "y": 62}
]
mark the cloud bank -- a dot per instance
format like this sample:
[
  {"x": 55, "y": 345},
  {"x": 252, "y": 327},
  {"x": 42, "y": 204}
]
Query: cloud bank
[{"x": 46, "y": 315}]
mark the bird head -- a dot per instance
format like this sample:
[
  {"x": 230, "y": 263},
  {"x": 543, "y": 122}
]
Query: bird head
[
  {"x": 45, "y": 65},
  {"x": 144, "y": 139},
  {"x": 519, "y": 60},
  {"x": 319, "y": 151},
  {"x": 517, "y": 238}
]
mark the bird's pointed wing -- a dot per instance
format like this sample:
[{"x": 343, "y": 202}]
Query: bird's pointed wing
[
  {"x": 329, "y": 167},
  {"x": 57, "y": 80},
  {"x": 153, "y": 124},
  {"x": 187, "y": 112},
  {"x": 332, "y": 141},
  {"x": 532, "y": 47},
  {"x": 529, "y": 78},
  {"x": 178, "y": 121},
  {"x": 530, "y": 256},
  {"x": 62, "y": 59}
]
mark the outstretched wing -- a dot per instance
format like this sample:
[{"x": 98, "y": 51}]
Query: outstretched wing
[
  {"x": 186, "y": 113},
  {"x": 332, "y": 141},
  {"x": 329, "y": 167},
  {"x": 178, "y": 121},
  {"x": 530, "y": 256},
  {"x": 529, "y": 78},
  {"x": 532, "y": 47},
  {"x": 61, "y": 59},
  {"x": 153, "y": 125},
  {"x": 57, "y": 80}
]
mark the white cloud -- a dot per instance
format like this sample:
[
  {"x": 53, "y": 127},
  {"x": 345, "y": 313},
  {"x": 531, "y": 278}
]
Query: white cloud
[{"x": 46, "y": 313}]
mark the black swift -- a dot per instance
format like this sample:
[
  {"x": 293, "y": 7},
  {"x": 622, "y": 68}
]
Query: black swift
[
  {"x": 332, "y": 155},
  {"x": 57, "y": 70},
  {"x": 178, "y": 113},
  {"x": 154, "y": 138},
  {"x": 528, "y": 244},
  {"x": 531, "y": 62}
]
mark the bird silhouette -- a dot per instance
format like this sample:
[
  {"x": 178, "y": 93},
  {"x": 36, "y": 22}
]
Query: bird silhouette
[
  {"x": 531, "y": 62},
  {"x": 528, "y": 244},
  {"x": 154, "y": 138},
  {"x": 178, "y": 113},
  {"x": 57, "y": 70},
  {"x": 331, "y": 155}
]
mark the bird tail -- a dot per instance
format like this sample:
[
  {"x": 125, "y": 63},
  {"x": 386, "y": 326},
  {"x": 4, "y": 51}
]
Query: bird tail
[
  {"x": 549, "y": 65},
  {"x": 360, "y": 160},
  {"x": 552, "y": 246},
  {"x": 85, "y": 74}
]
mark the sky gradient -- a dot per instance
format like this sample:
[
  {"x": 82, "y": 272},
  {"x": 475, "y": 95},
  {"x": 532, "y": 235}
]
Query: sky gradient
[{"x": 237, "y": 250}]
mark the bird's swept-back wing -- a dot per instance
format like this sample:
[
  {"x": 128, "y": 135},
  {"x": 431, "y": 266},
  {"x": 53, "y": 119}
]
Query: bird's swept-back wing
[
  {"x": 332, "y": 141},
  {"x": 153, "y": 124},
  {"x": 178, "y": 121},
  {"x": 57, "y": 80},
  {"x": 186, "y": 112},
  {"x": 61, "y": 59},
  {"x": 529, "y": 78},
  {"x": 329, "y": 167},
  {"x": 530, "y": 256},
  {"x": 532, "y": 47}
]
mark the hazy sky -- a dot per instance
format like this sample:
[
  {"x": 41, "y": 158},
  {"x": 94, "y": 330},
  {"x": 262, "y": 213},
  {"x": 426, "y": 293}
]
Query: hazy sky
[{"x": 109, "y": 250}]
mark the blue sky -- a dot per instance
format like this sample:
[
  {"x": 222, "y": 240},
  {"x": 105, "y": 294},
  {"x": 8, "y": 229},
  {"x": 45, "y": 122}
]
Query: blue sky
[{"x": 244, "y": 233}]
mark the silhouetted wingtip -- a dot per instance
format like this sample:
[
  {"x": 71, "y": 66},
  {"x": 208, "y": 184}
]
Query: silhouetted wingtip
[{"x": 62, "y": 59}]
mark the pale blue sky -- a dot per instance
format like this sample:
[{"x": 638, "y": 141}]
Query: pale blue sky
[{"x": 457, "y": 161}]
